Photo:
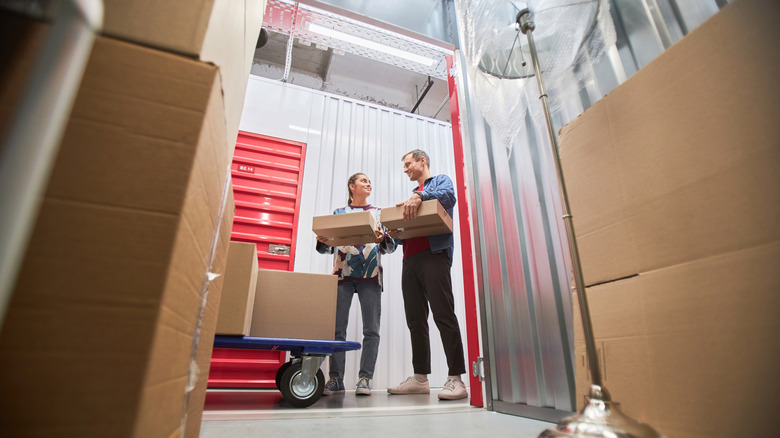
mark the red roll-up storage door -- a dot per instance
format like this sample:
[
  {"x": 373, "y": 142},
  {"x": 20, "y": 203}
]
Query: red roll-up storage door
[{"x": 267, "y": 174}]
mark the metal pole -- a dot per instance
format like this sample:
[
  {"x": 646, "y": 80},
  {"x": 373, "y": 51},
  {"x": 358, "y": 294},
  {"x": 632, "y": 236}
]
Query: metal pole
[
  {"x": 601, "y": 417},
  {"x": 29, "y": 148},
  {"x": 527, "y": 26}
]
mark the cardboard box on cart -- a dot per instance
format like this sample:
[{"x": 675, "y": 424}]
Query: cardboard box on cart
[
  {"x": 432, "y": 219},
  {"x": 110, "y": 293},
  {"x": 294, "y": 305},
  {"x": 238, "y": 296},
  {"x": 675, "y": 203}
]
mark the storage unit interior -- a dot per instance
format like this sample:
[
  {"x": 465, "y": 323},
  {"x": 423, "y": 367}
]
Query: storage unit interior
[{"x": 356, "y": 108}]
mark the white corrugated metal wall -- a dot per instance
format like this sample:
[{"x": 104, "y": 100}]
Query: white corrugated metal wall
[{"x": 345, "y": 136}]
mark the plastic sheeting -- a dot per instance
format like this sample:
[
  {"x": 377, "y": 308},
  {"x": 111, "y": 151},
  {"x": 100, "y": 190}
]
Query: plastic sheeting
[
  {"x": 568, "y": 35},
  {"x": 522, "y": 259}
]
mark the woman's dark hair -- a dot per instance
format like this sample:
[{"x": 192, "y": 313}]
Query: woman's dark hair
[{"x": 351, "y": 181}]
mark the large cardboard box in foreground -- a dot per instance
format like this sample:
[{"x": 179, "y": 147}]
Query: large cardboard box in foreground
[
  {"x": 294, "y": 305},
  {"x": 675, "y": 192},
  {"x": 346, "y": 229},
  {"x": 432, "y": 219},
  {"x": 680, "y": 162},
  {"x": 199, "y": 373},
  {"x": 238, "y": 291},
  {"x": 223, "y": 32},
  {"x": 99, "y": 336},
  {"x": 671, "y": 341}
]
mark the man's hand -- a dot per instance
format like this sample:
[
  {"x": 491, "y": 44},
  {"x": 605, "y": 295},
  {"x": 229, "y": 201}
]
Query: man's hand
[
  {"x": 410, "y": 207},
  {"x": 394, "y": 233},
  {"x": 322, "y": 239}
]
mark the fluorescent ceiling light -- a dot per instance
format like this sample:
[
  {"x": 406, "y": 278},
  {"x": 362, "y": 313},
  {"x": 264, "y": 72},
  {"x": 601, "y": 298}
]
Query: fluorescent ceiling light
[{"x": 332, "y": 33}]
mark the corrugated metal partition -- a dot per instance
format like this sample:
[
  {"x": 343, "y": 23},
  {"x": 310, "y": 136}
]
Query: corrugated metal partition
[
  {"x": 522, "y": 275},
  {"x": 523, "y": 261},
  {"x": 345, "y": 136}
]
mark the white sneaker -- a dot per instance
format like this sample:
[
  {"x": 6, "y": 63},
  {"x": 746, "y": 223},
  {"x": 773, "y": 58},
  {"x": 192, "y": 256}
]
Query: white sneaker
[
  {"x": 454, "y": 389},
  {"x": 411, "y": 386}
]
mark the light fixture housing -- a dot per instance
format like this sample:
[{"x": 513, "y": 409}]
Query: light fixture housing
[
  {"x": 373, "y": 40},
  {"x": 368, "y": 44}
]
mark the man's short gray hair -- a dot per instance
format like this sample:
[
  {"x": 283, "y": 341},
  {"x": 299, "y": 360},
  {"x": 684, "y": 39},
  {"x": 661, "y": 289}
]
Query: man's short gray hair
[{"x": 417, "y": 154}]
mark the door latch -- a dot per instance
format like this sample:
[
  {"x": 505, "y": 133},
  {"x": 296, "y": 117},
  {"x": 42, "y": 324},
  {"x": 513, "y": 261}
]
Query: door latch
[
  {"x": 278, "y": 249},
  {"x": 478, "y": 369}
]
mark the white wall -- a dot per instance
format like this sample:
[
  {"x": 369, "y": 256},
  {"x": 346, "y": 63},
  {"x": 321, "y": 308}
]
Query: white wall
[{"x": 345, "y": 136}]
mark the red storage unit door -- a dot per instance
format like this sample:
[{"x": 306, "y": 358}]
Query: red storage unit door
[{"x": 267, "y": 174}]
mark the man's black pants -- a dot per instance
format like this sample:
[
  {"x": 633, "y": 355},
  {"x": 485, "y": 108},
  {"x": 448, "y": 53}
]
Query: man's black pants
[{"x": 426, "y": 279}]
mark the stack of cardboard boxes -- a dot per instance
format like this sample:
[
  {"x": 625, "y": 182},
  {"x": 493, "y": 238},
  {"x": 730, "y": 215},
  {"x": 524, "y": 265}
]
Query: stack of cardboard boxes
[
  {"x": 274, "y": 304},
  {"x": 675, "y": 192},
  {"x": 295, "y": 305},
  {"x": 267, "y": 304},
  {"x": 112, "y": 317}
]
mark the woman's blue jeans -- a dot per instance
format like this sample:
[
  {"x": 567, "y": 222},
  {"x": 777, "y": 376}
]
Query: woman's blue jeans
[{"x": 370, "y": 297}]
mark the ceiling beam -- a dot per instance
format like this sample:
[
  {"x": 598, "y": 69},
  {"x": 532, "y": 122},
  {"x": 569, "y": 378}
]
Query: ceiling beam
[{"x": 428, "y": 87}]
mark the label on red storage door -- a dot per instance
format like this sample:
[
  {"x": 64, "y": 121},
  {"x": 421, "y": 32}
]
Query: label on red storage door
[{"x": 245, "y": 168}]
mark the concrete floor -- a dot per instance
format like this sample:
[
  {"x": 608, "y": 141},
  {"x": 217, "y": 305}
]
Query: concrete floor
[{"x": 263, "y": 413}]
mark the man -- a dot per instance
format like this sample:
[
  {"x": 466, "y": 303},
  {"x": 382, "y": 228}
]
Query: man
[{"x": 425, "y": 280}]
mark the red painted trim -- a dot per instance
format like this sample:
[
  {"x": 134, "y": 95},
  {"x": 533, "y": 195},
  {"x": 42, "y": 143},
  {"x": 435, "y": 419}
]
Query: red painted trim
[{"x": 472, "y": 327}]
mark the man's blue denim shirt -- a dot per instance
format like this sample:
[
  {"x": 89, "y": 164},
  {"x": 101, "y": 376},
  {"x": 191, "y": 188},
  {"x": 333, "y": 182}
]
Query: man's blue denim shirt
[{"x": 440, "y": 187}]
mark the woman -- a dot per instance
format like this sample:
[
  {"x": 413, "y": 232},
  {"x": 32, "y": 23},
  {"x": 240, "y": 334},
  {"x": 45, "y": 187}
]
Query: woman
[{"x": 360, "y": 272}]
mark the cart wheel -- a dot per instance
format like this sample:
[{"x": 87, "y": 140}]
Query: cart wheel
[
  {"x": 296, "y": 392},
  {"x": 279, "y": 374}
]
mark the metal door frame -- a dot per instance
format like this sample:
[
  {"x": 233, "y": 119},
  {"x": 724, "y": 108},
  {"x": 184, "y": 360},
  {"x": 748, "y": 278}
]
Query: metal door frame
[{"x": 483, "y": 280}]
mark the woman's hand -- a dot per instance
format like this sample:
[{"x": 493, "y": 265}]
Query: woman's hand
[
  {"x": 380, "y": 235},
  {"x": 322, "y": 239}
]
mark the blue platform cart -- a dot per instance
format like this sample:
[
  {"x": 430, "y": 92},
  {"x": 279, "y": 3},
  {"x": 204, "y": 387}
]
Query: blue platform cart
[{"x": 300, "y": 379}]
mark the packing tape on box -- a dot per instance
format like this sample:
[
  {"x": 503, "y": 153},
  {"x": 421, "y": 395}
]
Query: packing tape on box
[{"x": 194, "y": 371}]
